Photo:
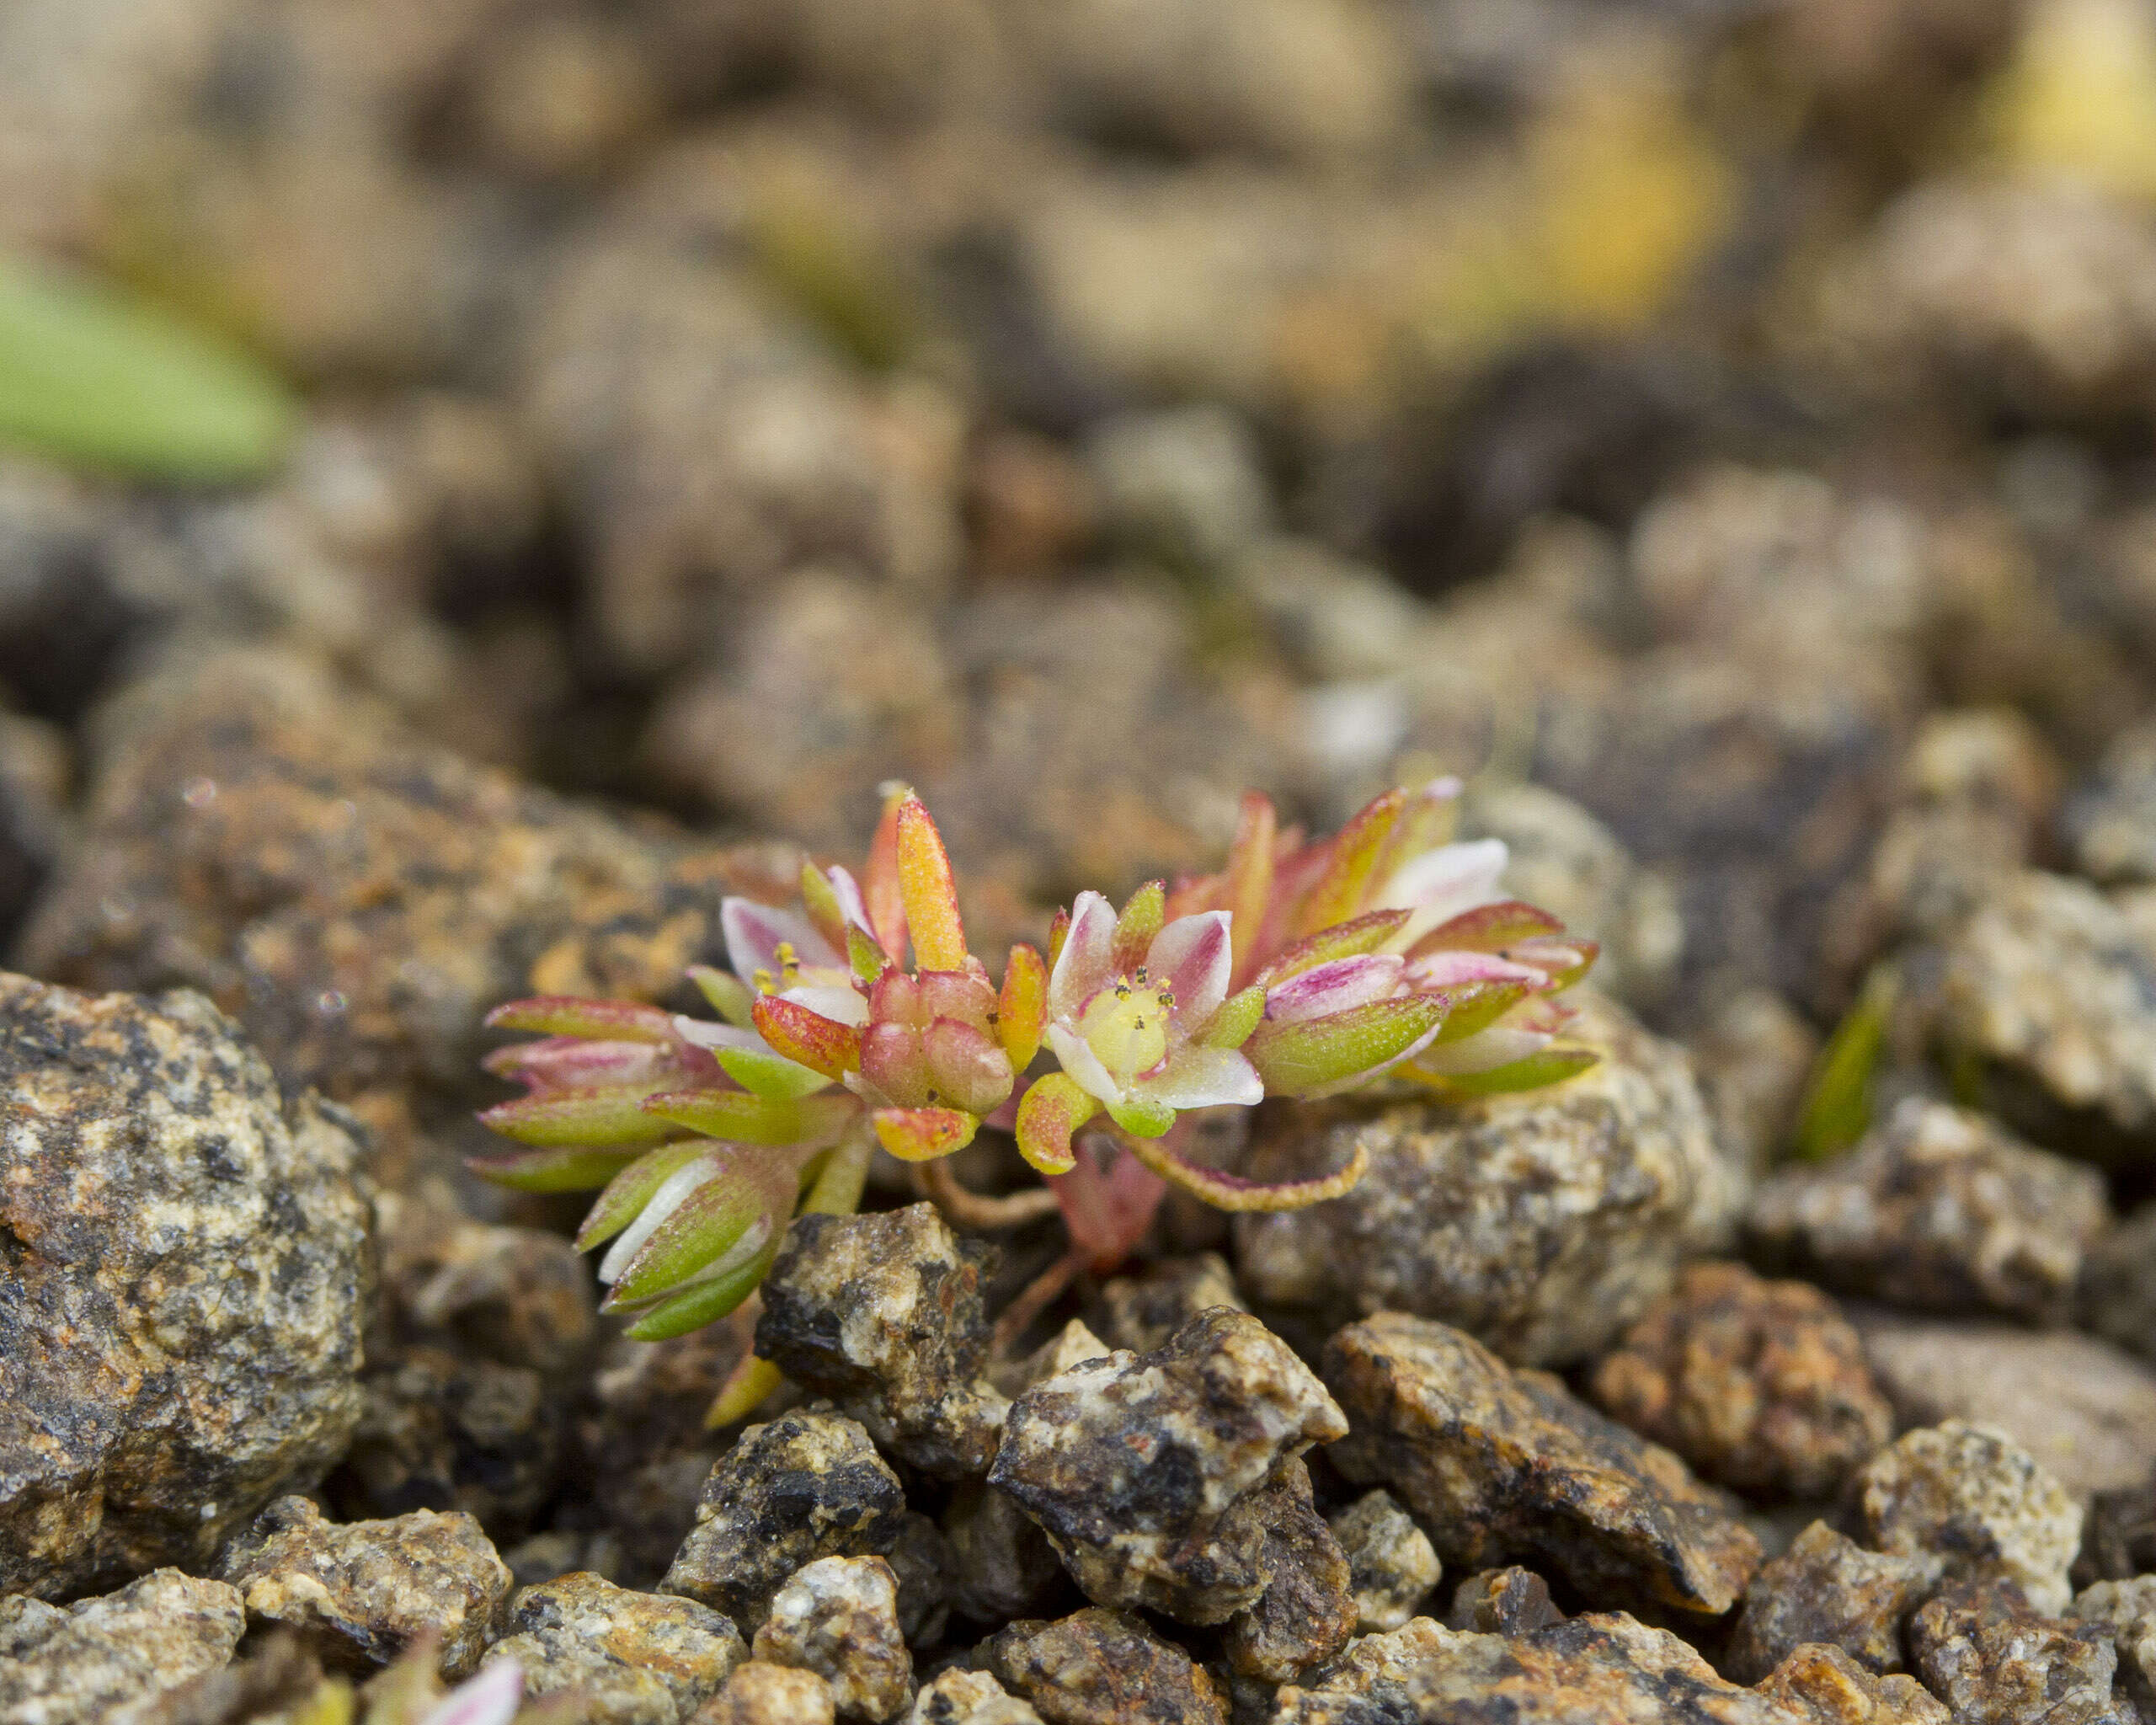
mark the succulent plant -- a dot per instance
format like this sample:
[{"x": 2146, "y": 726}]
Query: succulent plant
[{"x": 1307, "y": 967}]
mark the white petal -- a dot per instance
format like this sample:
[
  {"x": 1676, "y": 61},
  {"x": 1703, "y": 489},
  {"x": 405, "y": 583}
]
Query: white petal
[
  {"x": 1439, "y": 885},
  {"x": 1500, "y": 1045},
  {"x": 1083, "y": 1065},
  {"x": 673, "y": 1192},
  {"x": 753, "y": 932},
  {"x": 491, "y": 1698},
  {"x": 1081, "y": 968},
  {"x": 702, "y": 1033},
  {"x": 1204, "y": 1078},
  {"x": 851, "y": 906},
  {"x": 844, "y": 1005},
  {"x": 1194, "y": 956}
]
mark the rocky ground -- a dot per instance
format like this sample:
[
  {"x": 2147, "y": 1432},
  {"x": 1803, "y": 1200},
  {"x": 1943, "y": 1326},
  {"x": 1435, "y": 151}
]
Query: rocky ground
[{"x": 1725, "y": 433}]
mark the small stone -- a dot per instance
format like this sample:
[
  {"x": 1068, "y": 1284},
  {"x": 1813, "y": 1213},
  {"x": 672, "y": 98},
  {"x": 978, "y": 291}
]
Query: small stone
[
  {"x": 1147, "y": 1471},
  {"x": 1507, "y": 1601},
  {"x": 2110, "y": 821},
  {"x": 2118, "y": 1284},
  {"x": 762, "y": 1694},
  {"x": 839, "y": 1617},
  {"x": 2128, "y": 1609},
  {"x": 1307, "y": 1610},
  {"x": 102, "y": 1661},
  {"x": 2085, "y": 1411},
  {"x": 1073, "y": 1344},
  {"x": 1391, "y": 1564},
  {"x": 883, "y": 1313},
  {"x": 802, "y": 1486},
  {"x": 1003, "y": 1564},
  {"x": 1140, "y": 1312},
  {"x": 1542, "y": 1224},
  {"x": 1823, "y": 1685},
  {"x": 1981, "y": 1648},
  {"x": 1604, "y": 1667},
  {"x": 355, "y": 895},
  {"x": 1939, "y": 1209},
  {"x": 969, "y": 1698},
  {"x": 1971, "y": 1495},
  {"x": 922, "y": 1560},
  {"x": 520, "y": 1296},
  {"x": 1828, "y": 1589},
  {"x": 1183, "y": 485},
  {"x": 1752, "y": 1057},
  {"x": 1501, "y": 1465},
  {"x": 441, "y": 1430},
  {"x": 1759, "y": 1386},
  {"x": 358, "y": 1595},
  {"x": 641, "y": 1441},
  {"x": 1102, "y": 1668},
  {"x": 633, "y": 1658},
  {"x": 184, "y": 1266},
  {"x": 2047, "y": 987}
]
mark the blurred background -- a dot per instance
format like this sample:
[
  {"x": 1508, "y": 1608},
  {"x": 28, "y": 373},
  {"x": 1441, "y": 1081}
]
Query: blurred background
[{"x": 1721, "y": 429}]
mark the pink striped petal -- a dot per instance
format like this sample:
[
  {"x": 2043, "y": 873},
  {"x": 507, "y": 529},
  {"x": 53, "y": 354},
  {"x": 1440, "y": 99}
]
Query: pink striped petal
[
  {"x": 754, "y": 934},
  {"x": 1082, "y": 967},
  {"x": 1444, "y": 969},
  {"x": 1193, "y": 956},
  {"x": 1335, "y": 986},
  {"x": 851, "y": 906},
  {"x": 491, "y": 1698}
]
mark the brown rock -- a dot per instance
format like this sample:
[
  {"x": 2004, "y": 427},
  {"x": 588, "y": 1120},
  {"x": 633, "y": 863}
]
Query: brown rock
[
  {"x": 1147, "y": 1471},
  {"x": 1507, "y": 1601},
  {"x": 1501, "y": 1464},
  {"x": 1003, "y": 1566},
  {"x": 1102, "y": 1668},
  {"x": 1391, "y": 1564},
  {"x": 1827, "y": 1590},
  {"x": 1993, "y": 1661},
  {"x": 969, "y": 1698},
  {"x": 1939, "y": 1209},
  {"x": 1969, "y": 1494},
  {"x": 105, "y": 1660},
  {"x": 633, "y": 1658},
  {"x": 802, "y": 1486},
  {"x": 1541, "y": 1224},
  {"x": 839, "y": 1617},
  {"x": 1823, "y": 1685},
  {"x": 1308, "y": 1609},
  {"x": 1760, "y": 1386},
  {"x": 356, "y": 898},
  {"x": 1141, "y": 1312},
  {"x": 761, "y": 1694},
  {"x": 883, "y": 1313},
  {"x": 1602, "y": 1666},
  {"x": 2083, "y": 1410},
  {"x": 182, "y": 1272},
  {"x": 358, "y": 1595}
]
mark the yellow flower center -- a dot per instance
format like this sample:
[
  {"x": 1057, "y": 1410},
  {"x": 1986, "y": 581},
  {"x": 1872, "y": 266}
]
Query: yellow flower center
[{"x": 1127, "y": 1028}]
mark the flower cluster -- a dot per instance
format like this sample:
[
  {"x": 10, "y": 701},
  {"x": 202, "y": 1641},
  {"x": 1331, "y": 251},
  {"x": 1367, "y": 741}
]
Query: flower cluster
[{"x": 1305, "y": 968}]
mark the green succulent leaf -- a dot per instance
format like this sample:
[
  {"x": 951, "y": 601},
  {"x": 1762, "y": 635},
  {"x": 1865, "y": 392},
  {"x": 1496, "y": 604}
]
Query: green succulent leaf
[
  {"x": 770, "y": 1075},
  {"x": 91, "y": 375},
  {"x": 1302, "y": 1055},
  {"x": 741, "y": 1117},
  {"x": 631, "y": 1189},
  {"x": 1141, "y": 1117},
  {"x": 1837, "y": 1099},
  {"x": 553, "y": 1168},
  {"x": 1547, "y": 1066},
  {"x": 692, "y": 1308},
  {"x": 594, "y": 1119}
]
